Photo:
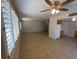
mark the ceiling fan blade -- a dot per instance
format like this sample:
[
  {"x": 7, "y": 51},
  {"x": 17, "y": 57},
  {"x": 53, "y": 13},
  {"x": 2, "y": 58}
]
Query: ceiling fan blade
[
  {"x": 73, "y": 14},
  {"x": 44, "y": 10},
  {"x": 63, "y": 9},
  {"x": 66, "y": 2},
  {"x": 56, "y": 3},
  {"x": 49, "y": 2}
]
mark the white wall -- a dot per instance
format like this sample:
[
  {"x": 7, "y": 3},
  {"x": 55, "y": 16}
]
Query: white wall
[
  {"x": 69, "y": 28},
  {"x": 33, "y": 26},
  {"x": 58, "y": 31},
  {"x": 54, "y": 28}
]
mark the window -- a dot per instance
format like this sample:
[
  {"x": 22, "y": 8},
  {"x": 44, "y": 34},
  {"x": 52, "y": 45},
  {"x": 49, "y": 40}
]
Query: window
[
  {"x": 11, "y": 25},
  {"x": 15, "y": 25},
  {"x": 8, "y": 26}
]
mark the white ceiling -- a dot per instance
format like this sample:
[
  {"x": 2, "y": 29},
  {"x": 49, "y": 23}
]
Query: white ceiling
[{"x": 31, "y": 8}]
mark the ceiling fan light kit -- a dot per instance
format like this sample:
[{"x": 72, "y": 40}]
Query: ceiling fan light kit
[
  {"x": 54, "y": 11},
  {"x": 57, "y": 11}
]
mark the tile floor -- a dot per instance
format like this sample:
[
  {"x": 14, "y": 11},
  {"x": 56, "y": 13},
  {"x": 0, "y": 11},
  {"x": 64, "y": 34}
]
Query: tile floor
[{"x": 40, "y": 46}]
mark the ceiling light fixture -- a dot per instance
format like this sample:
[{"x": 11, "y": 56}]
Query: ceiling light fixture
[
  {"x": 54, "y": 11},
  {"x": 57, "y": 11}
]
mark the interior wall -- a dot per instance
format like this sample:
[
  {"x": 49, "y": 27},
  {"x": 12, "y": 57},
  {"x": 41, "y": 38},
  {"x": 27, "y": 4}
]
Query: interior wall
[
  {"x": 52, "y": 28},
  {"x": 46, "y": 23},
  {"x": 33, "y": 26},
  {"x": 69, "y": 28},
  {"x": 55, "y": 26}
]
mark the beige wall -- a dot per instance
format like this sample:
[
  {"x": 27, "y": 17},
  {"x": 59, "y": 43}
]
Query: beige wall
[{"x": 33, "y": 26}]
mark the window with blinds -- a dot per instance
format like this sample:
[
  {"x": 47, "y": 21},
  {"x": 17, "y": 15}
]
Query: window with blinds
[
  {"x": 15, "y": 23},
  {"x": 8, "y": 26}
]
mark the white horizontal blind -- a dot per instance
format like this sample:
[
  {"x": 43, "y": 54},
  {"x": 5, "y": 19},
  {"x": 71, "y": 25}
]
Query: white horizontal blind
[
  {"x": 7, "y": 26},
  {"x": 15, "y": 23}
]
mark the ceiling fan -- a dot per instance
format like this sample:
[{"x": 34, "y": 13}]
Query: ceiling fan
[
  {"x": 56, "y": 7},
  {"x": 73, "y": 14}
]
